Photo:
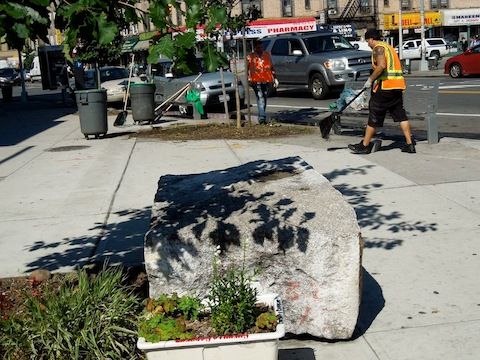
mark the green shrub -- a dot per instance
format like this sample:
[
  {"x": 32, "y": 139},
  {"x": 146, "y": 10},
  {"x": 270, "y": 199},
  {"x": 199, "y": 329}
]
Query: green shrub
[{"x": 93, "y": 317}]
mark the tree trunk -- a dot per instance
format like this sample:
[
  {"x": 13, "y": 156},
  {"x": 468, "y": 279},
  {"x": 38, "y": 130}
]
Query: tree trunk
[
  {"x": 22, "y": 76},
  {"x": 224, "y": 93}
]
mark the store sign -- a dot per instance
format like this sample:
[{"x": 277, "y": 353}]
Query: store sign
[
  {"x": 412, "y": 20},
  {"x": 461, "y": 17},
  {"x": 346, "y": 30},
  {"x": 266, "y": 27}
]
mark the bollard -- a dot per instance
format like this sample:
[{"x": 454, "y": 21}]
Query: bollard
[
  {"x": 196, "y": 114},
  {"x": 431, "y": 117}
]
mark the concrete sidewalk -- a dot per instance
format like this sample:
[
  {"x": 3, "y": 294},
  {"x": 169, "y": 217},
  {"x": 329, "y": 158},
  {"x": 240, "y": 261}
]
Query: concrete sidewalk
[{"x": 66, "y": 201}]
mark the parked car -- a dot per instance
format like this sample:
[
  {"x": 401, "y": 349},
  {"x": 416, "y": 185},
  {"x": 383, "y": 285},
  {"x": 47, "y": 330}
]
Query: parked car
[
  {"x": 434, "y": 47},
  {"x": 9, "y": 77},
  {"x": 320, "y": 60},
  {"x": 114, "y": 79},
  {"x": 467, "y": 63},
  {"x": 209, "y": 84}
]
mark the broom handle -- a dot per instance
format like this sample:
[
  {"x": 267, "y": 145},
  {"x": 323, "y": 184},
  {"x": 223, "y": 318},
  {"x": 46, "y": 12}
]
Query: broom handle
[
  {"x": 176, "y": 94},
  {"x": 181, "y": 94},
  {"x": 128, "y": 84}
]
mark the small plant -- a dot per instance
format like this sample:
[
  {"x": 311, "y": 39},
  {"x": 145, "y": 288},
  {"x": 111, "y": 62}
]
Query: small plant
[
  {"x": 267, "y": 321},
  {"x": 166, "y": 318},
  {"x": 232, "y": 309},
  {"x": 90, "y": 317},
  {"x": 232, "y": 301}
]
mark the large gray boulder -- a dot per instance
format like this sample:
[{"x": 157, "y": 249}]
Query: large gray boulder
[{"x": 303, "y": 237}]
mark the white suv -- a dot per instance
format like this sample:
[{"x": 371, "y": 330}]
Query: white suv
[{"x": 435, "y": 47}]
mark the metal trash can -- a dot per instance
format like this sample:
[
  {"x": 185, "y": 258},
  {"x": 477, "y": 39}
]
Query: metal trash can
[
  {"x": 142, "y": 96},
  {"x": 432, "y": 63},
  {"x": 7, "y": 93},
  {"x": 92, "y": 109}
]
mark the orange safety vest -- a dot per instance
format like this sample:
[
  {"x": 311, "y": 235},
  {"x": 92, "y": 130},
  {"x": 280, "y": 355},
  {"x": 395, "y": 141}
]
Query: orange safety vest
[
  {"x": 260, "y": 68},
  {"x": 392, "y": 77}
]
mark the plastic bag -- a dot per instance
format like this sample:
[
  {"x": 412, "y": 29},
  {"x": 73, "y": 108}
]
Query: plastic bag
[
  {"x": 193, "y": 97},
  {"x": 360, "y": 103}
]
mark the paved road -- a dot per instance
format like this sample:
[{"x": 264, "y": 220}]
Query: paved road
[{"x": 457, "y": 111}]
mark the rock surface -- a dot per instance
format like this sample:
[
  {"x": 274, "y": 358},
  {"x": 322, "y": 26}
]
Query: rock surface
[{"x": 302, "y": 237}]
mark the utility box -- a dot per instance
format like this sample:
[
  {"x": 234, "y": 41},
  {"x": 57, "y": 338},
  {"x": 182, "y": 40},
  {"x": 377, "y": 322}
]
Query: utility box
[{"x": 53, "y": 67}]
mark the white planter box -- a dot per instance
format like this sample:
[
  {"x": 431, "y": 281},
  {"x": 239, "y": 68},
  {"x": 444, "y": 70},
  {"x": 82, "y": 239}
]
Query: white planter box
[{"x": 236, "y": 347}]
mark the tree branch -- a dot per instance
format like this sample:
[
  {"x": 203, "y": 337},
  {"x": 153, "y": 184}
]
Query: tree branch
[{"x": 133, "y": 7}]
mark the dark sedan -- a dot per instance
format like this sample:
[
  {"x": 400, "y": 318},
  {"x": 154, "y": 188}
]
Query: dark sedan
[
  {"x": 9, "y": 77},
  {"x": 467, "y": 63}
]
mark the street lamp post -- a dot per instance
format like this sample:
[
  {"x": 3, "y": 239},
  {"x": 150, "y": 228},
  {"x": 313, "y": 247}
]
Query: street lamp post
[{"x": 423, "y": 62}]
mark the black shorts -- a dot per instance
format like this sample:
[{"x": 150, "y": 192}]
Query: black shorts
[{"x": 383, "y": 101}]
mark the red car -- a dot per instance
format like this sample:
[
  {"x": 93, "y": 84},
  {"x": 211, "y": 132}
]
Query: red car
[{"x": 467, "y": 63}]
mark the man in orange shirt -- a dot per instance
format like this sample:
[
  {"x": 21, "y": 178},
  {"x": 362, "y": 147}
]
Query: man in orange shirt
[{"x": 260, "y": 76}]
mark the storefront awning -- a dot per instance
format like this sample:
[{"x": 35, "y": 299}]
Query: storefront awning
[{"x": 142, "y": 45}]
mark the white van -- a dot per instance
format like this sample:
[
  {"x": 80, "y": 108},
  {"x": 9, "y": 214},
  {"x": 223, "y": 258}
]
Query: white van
[
  {"x": 435, "y": 47},
  {"x": 34, "y": 73}
]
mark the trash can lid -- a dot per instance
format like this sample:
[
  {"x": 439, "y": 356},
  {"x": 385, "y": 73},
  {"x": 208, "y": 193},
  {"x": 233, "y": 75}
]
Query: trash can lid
[
  {"x": 91, "y": 91},
  {"x": 142, "y": 84}
]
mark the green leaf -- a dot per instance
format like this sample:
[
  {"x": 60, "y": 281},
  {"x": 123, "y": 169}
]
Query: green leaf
[
  {"x": 167, "y": 46},
  {"x": 185, "y": 40},
  {"x": 107, "y": 30},
  {"x": 155, "y": 51},
  {"x": 217, "y": 15},
  {"x": 16, "y": 11},
  {"x": 158, "y": 14},
  {"x": 210, "y": 57},
  {"x": 21, "y": 30},
  {"x": 194, "y": 14},
  {"x": 41, "y": 2}
]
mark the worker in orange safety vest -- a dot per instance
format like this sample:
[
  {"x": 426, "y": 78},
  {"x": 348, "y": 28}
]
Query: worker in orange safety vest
[{"x": 387, "y": 95}]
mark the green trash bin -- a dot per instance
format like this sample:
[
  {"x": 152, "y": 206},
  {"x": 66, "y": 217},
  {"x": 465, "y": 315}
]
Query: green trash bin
[
  {"x": 92, "y": 109},
  {"x": 142, "y": 97}
]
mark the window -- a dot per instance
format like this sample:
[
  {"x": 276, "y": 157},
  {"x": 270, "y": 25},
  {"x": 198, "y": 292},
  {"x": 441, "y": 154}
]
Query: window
[
  {"x": 365, "y": 6},
  {"x": 280, "y": 48},
  {"x": 386, "y": 3},
  {"x": 320, "y": 44},
  {"x": 250, "y": 4},
  {"x": 436, "y": 42},
  {"x": 287, "y": 8},
  {"x": 179, "y": 14},
  {"x": 439, "y": 4},
  {"x": 307, "y": 5},
  {"x": 332, "y": 4},
  {"x": 285, "y": 47},
  {"x": 406, "y": 5}
]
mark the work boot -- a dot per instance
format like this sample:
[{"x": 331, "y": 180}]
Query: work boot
[
  {"x": 360, "y": 148},
  {"x": 409, "y": 148}
]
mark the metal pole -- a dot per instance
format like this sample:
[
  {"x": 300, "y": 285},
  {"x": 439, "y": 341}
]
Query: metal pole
[
  {"x": 400, "y": 32},
  {"x": 423, "y": 62}
]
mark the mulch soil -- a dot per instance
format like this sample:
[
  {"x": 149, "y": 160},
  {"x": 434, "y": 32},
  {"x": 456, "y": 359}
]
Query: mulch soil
[{"x": 184, "y": 132}]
